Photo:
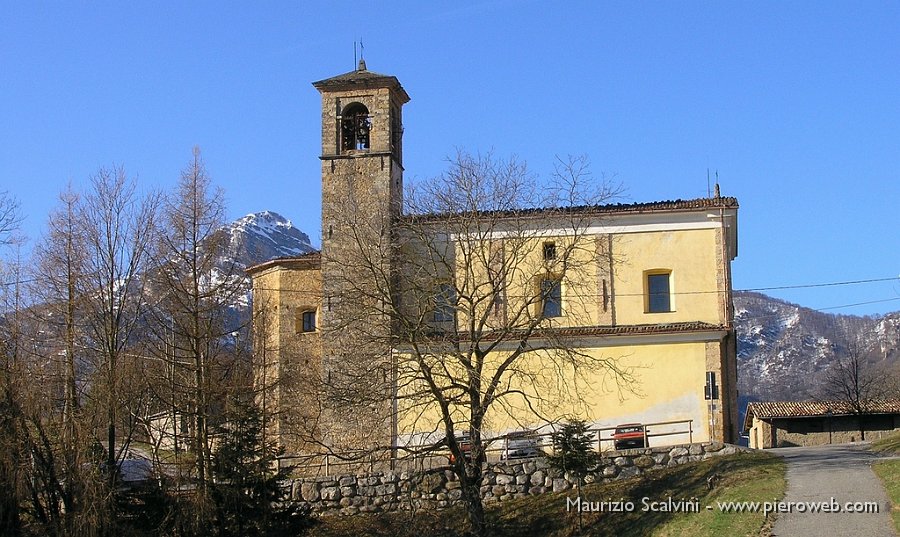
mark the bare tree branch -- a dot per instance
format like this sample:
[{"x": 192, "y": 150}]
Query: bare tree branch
[
  {"x": 10, "y": 218},
  {"x": 465, "y": 290}
]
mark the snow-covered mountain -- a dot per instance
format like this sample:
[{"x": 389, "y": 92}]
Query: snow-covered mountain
[
  {"x": 261, "y": 236},
  {"x": 784, "y": 349},
  {"x": 250, "y": 240}
]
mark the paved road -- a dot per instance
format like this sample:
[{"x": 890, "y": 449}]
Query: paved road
[{"x": 842, "y": 472}]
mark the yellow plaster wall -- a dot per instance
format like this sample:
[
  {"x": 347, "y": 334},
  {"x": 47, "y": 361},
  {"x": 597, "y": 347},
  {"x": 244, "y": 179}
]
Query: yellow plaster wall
[
  {"x": 581, "y": 264},
  {"x": 668, "y": 386},
  {"x": 690, "y": 255},
  {"x": 696, "y": 282}
]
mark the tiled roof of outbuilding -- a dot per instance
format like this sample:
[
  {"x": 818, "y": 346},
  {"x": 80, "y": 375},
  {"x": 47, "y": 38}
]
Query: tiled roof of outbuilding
[
  {"x": 806, "y": 409},
  {"x": 672, "y": 205},
  {"x": 636, "y": 329}
]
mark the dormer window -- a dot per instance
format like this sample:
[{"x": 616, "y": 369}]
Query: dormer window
[{"x": 355, "y": 127}]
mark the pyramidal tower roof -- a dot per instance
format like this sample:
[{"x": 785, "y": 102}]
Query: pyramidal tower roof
[{"x": 362, "y": 78}]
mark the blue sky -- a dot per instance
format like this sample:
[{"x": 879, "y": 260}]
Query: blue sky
[{"x": 794, "y": 104}]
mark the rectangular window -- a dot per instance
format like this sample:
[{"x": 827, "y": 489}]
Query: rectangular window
[
  {"x": 605, "y": 297},
  {"x": 308, "y": 321},
  {"x": 499, "y": 302},
  {"x": 496, "y": 271},
  {"x": 549, "y": 251},
  {"x": 659, "y": 298},
  {"x": 551, "y": 297},
  {"x": 445, "y": 303}
]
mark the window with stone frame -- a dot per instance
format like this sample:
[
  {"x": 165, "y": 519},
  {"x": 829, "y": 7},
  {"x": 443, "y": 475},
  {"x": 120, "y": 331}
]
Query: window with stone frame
[
  {"x": 659, "y": 292},
  {"x": 396, "y": 134},
  {"x": 306, "y": 321},
  {"x": 496, "y": 271},
  {"x": 549, "y": 251},
  {"x": 551, "y": 297}
]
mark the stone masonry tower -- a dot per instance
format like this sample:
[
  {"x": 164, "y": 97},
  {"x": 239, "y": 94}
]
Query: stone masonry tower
[{"x": 362, "y": 188}]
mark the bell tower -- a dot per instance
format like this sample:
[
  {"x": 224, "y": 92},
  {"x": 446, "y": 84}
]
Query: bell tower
[
  {"x": 362, "y": 143},
  {"x": 362, "y": 194}
]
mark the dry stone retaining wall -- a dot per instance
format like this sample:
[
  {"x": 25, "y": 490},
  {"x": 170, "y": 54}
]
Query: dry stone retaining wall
[{"x": 437, "y": 488}]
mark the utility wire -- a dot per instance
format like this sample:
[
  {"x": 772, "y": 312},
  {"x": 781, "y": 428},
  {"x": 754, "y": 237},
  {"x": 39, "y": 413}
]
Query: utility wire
[
  {"x": 676, "y": 293},
  {"x": 858, "y": 304},
  {"x": 314, "y": 295},
  {"x": 831, "y": 284}
]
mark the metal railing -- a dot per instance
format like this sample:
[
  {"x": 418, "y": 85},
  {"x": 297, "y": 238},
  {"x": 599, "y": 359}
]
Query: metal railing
[{"x": 496, "y": 449}]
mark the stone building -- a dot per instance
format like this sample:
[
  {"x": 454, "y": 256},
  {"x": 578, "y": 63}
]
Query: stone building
[
  {"x": 773, "y": 424},
  {"x": 644, "y": 286}
]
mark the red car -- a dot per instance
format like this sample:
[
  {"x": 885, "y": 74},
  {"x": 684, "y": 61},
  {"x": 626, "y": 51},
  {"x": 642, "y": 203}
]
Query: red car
[
  {"x": 465, "y": 445},
  {"x": 630, "y": 435}
]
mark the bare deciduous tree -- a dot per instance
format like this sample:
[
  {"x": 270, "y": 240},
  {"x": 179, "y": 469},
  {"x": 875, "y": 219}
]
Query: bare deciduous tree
[
  {"x": 10, "y": 218},
  {"x": 196, "y": 284},
  {"x": 58, "y": 285},
  {"x": 118, "y": 226},
  {"x": 13, "y": 454},
  {"x": 857, "y": 385},
  {"x": 467, "y": 297}
]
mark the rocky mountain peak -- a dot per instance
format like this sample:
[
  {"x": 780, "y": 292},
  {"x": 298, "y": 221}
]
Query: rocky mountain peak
[{"x": 265, "y": 235}]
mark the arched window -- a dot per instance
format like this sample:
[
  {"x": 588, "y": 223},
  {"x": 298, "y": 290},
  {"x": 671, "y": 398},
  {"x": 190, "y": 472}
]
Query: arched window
[{"x": 355, "y": 127}]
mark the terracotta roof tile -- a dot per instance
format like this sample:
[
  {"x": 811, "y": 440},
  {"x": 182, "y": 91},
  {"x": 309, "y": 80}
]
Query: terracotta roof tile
[
  {"x": 614, "y": 208},
  {"x": 586, "y": 331},
  {"x": 804, "y": 409}
]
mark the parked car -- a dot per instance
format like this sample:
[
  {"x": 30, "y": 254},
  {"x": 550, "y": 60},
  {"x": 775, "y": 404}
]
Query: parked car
[
  {"x": 136, "y": 471},
  {"x": 521, "y": 445},
  {"x": 630, "y": 435},
  {"x": 465, "y": 445}
]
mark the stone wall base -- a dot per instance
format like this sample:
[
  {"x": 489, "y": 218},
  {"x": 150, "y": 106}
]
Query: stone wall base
[{"x": 439, "y": 488}]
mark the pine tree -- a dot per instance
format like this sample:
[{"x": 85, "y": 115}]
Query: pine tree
[
  {"x": 246, "y": 490},
  {"x": 573, "y": 453}
]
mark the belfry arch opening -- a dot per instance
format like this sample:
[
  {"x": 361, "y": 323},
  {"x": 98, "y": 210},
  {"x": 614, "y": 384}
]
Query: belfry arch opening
[{"x": 356, "y": 127}]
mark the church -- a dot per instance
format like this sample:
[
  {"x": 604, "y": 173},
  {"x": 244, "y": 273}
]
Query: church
[{"x": 435, "y": 316}]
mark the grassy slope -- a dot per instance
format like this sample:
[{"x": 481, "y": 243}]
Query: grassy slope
[
  {"x": 889, "y": 472},
  {"x": 754, "y": 477}
]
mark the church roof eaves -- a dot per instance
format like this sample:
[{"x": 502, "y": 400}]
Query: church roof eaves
[
  {"x": 362, "y": 79},
  {"x": 311, "y": 260},
  {"x": 613, "y": 208},
  {"x": 604, "y": 331}
]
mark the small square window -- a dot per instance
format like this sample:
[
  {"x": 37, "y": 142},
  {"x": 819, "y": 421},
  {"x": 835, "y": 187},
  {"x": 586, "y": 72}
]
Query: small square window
[
  {"x": 659, "y": 297},
  {"x": 551, "y": 298},
  {"x": 549, "y": 251},
  {"x": 308, "y": 321}
]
